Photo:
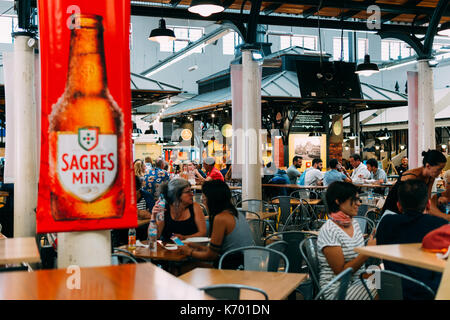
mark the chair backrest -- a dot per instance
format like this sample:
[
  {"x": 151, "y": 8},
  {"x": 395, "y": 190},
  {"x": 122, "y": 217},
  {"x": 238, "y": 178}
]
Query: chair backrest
[
  {"x": 280, "y": 246},
  {"x": 230, "y": 291},
  {"x": 258, "y": 259},
  {"x": 284, "y": 204},
  {"x": 302, "y": 217},
  {"x": 343, "y": 279},
  {"x": 323, "y": 196},
  {"x": 293, "y": 238},
  {"x": 249, "y": 214},
  {"x": 300, "y": 194},
  {"x": 260, "y": 230},
  {"x": 255, "y": 205},
  {"x": 308, "y": 250},
  {"x": 118, "y": 258},
  {"x": 365, "y": 224},
  {"x": 390, "y": 286}
]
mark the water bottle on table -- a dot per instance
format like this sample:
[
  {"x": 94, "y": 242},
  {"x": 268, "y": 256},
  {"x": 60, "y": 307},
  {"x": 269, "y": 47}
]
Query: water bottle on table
[
  {"x": 132, "y": 239},
  {"x": 162, "y": 204},
  {"x": 152, "y": 236}
]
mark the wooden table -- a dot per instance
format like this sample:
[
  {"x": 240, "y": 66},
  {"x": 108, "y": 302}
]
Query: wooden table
[
  {"x": 262, "y": 214},
  {"x": 161, "y": 253},
  {"x": 297, "y": 201},
  {"x": 17, "y": 250},
  {"x": 277, "y": 285},
  {"x": 199, "y": 187},
  {"x": 143, "y": 281},
  {"x": 292, "y": 186},
  {"x": 410, "y": 254}
]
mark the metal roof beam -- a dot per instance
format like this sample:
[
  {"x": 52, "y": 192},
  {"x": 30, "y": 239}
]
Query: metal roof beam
[{"x": 272, "y": 20}]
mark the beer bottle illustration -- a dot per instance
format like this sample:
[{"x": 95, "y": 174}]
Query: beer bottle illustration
[{"x": 87, "y": 162}]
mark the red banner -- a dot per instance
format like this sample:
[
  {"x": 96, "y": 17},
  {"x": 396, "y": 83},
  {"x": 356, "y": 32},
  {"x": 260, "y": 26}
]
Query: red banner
[{"x": 86, "y": 175}]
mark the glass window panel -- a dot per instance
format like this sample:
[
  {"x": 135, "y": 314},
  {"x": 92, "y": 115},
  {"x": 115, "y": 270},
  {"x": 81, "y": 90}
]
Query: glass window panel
[
  {"x": 6, "y": 29},
  {"x": 181, "y": 33},
  {"x": 180, "y": 44},
  {"x": 297, "y": 41},
  {"x": 362, "y": 48},
  {"x": 310, "y": 43},
  {"x": 395, "y": 50},
  {"x": 384, "y": 50},
  {"x": 285, "y": 42},
  {"x": 405, "y": 50},
  {"x": 228, "y": 43},
  {"x": 337, "y": 49},
  {"x": 195, "y": 34}
]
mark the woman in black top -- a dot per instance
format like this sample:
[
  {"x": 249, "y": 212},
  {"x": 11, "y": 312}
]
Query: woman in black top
[{"x": 182, "y": 216}]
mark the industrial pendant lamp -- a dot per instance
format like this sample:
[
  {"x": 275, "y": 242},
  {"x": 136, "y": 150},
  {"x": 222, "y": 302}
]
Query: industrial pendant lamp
[
  {"x": 136, "y": 131},
  {"x": 162, "y": 34},
  {"x": 367, "y": 68},
  {"x": 205, "y": 8}
]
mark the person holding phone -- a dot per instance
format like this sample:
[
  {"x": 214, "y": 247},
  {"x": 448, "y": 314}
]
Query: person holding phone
[{"x": 182, "y": 217}]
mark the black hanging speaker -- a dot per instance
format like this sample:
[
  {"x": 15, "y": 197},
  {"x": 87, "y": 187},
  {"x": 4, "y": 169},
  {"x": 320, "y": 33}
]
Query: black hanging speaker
[{"x": 328, "y": 80}]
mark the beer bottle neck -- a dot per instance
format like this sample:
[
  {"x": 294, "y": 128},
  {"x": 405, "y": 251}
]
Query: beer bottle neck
[{"x": 87, "y": 72}]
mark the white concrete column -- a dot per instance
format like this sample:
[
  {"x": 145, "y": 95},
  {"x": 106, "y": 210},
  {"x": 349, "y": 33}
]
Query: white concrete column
[
  {"x": 84, "y": 249},
  {"x": 251, "y": 103},
  {"x": 426, "y": 114},
  {"x": 26, "y": 170},
  {"x": 413, "y": 109}
]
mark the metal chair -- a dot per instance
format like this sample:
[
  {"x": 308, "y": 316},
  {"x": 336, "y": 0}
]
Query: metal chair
[
  {"x": 260, "y": 230},
  {"x": 305, "y": 194},
  {"x": 308, "y": 251},
  {"x": 257, "y": 259},
  {"x": 279, "y": 246},
  {"x": 121, "y": 253},
  {"x": 255, "y": 205},
  {"x": 303, "y": 217},
  {"x": 390, "y": 284},
  {"x": 365, "y": 224},
  {"x": 293, "y": 238},
  {"x": 118, "y": 258},
  {"x": 230, "y": 291},
  {"x": 344, "y": 279},
  {"x": 284, "y": 205},
  {"x": 253, "y": 215}
]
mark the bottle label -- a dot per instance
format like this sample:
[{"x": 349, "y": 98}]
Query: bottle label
[{"x": 87, "y": 162}]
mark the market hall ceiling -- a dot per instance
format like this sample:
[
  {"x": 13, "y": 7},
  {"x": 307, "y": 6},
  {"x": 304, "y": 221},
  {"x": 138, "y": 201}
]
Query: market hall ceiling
[{"x": 409, "y": 16}]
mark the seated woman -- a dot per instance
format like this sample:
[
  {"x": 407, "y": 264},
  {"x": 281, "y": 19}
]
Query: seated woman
[
  {"x": 337, "y": 239},
  {"x": 230, "y": 229},
  {"x": 182, "y": 216}
]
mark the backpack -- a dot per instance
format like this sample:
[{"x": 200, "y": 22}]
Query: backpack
[{"x": 301, "y": 180}]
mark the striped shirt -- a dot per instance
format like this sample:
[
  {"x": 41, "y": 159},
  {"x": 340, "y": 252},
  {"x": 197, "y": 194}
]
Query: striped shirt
[
  {"x": 142, "y": 205},
  {"x": 331, "y": 235}
]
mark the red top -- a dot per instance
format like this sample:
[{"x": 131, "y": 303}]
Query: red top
[{"x": 215, "y": 174}]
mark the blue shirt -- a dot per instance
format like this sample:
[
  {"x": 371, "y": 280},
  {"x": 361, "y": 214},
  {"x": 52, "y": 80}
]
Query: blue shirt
[
  {"x": 380, "y": 174},
  {"x": 152, "y": 181},
  {"x": 332, "y": 176}
]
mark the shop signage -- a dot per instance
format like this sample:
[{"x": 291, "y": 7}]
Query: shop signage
[{"x": 86, "y": 177}]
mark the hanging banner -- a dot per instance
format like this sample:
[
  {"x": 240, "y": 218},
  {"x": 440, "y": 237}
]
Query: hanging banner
[{"x": 86, "y": 175}]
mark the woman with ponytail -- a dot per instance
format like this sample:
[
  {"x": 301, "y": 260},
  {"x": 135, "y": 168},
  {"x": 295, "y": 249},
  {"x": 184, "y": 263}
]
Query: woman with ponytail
[
  {"x": 337, "y": 239},
  {"x": 433, "y": 163}
]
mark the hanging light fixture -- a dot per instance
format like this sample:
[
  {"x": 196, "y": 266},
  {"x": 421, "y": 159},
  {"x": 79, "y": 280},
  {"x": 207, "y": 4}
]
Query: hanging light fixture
[
  {"x": 136, "y": 131},
  {"x": 352, "y": 136},
  {"x": 150, "y": 131},
  {"x": 162, "y": 34},
  {"x": 367, "y": 68},
  {"x": 383, "y": 134},
  {"x": 205, "y": 8}
]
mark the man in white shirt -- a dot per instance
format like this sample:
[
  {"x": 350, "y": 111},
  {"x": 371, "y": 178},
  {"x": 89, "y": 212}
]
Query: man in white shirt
[
  {"x": 360, "y": 172},
  {"x": 314, "y": 176}
]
